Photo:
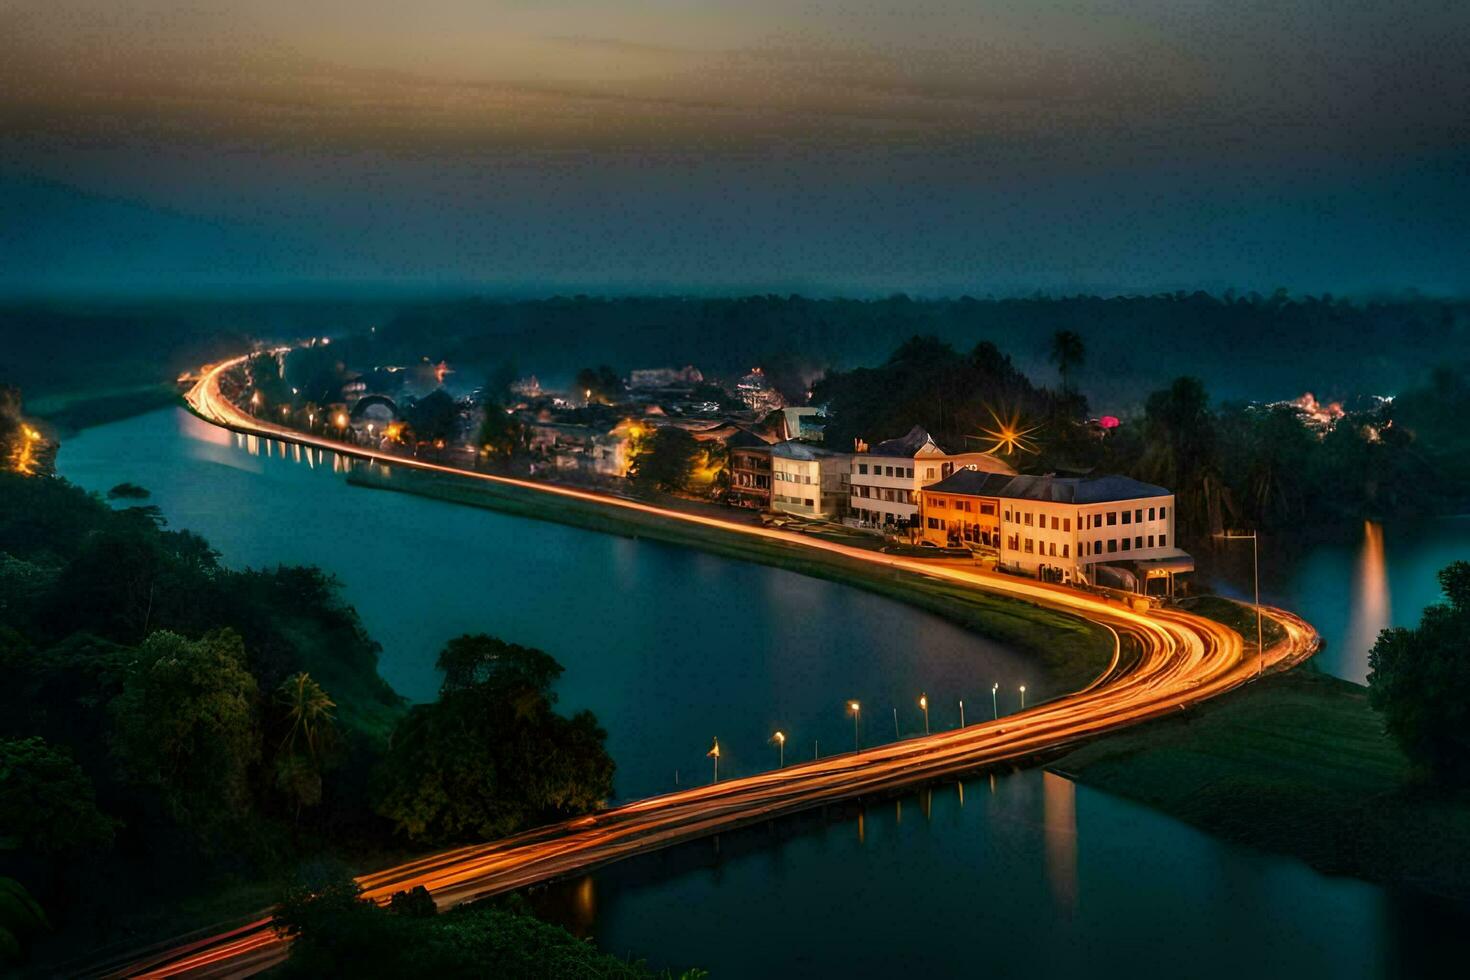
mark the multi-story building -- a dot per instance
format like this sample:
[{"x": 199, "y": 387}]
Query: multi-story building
[
  {"x": 1108, "y": 530},
  {"x": 886, "y": 480},
  {"x": 750, "y": 474},
  {"x": 808, "y": 480}
]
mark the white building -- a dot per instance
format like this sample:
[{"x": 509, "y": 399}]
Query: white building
[
  {"x": 1100, "y": 530},
  {"x": 886, "y": 480},
  {"x": 808, "y": 480}
]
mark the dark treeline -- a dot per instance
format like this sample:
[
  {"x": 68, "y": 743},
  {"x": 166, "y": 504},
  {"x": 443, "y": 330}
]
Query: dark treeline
[
  {"x": 1245, "y": 346},
  {"x": 1230, "y": 465}
]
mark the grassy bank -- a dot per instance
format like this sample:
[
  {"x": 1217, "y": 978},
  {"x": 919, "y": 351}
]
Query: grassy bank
[
  {"x": 1297, "y": 764},
  {"x": 1070, "y": 652}
]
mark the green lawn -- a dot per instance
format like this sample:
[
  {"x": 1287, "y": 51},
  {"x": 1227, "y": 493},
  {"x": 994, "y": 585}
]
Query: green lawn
[
  {"x": 1069, "y": 652},
  {"x": 1296, "y": 763}
]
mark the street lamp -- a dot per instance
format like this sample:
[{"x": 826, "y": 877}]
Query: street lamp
[
  {"x": 994, "y": 701},
  {"x": 857, "y": 711},
  {"x": 1023, "y": 697},
  {"x": 714, "y": 753},
  {"x": 780, "y": 738},
  {"x": 1256, "y": 575},
  {"x": 962, "y": 712},
  {"x": 924, "y": 703}
]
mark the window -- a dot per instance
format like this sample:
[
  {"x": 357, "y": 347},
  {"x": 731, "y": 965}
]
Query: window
[
  {"x": 1008, "y": 515},
  {"x": 1066, "y": 524},
  {"x": 1030, "y": 546},
  {"x": 1127, "y": 517},
  {"x": 1163, "y": 541},
  {"x": 890, "y": 470},
  {"x": 863, "y": 469},
  {"x": 935, "y": 524},
  {"x": 1138, "y": 541},
  {"x": 940, "y": 502},
  {"x": 1056, "y": 524},
  {"x": 908, "y": 472},
  {"x": 1138, "y": 515},
  {"x": 1112, "y": 545},
  {"x": 1150, "y": 540},
  {"x": 1027, "y": 515},
  {"x": 1163, "y": 513},
  {"x": 1112, "y": 518},
  {"x": 928, "y": 472},
  {"x": 1053, "y": 549},
  {"x": 988, "y": 509},
  {"x": 1126, "y": 543},
  {"x": 809, "y": 502},
  {"x": 1064, "y": 552},
  {"x": 1152, "y": 512}
]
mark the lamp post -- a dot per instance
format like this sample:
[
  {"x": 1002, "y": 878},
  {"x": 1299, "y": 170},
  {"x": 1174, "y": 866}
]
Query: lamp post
[
  {"x": 962, "y": 712},
  {"x": 1023, "y": 697},
  {"x": 924, "y": 704},
  {"x": 1256, "y": 576},
  {"x": 714, "y": 753},
  {"x": 780, "y": 738},
  {"x": 994, "y": 700},
  {"x": 857, "y": 712}
]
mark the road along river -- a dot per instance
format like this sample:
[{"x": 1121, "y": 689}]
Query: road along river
[{"x": 1184, "y": 659}]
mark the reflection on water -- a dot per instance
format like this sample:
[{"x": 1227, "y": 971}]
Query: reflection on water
[
  {"x": 846, "y": 890},
  {"x": 1370, "y": 612},
  {"x": 1061, "y": 839}
]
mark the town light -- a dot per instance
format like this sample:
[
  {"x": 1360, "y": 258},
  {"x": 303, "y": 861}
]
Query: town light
[
  {"x": 994, "y": 699},
  {"x": 1023, "y": 697},
  {"x": 924, "y": 703},
  {"x": 857, "y": 711},
  {"x": 780, "y": 738}
]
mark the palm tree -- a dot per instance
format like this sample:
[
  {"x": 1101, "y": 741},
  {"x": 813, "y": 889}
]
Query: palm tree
[
  {"x": 308, "y": 715},
  {"x": 310, "y": 730},
  {"x": 1067, "y": 352}
]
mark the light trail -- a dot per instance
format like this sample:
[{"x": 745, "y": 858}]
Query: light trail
[{"x": 1183, "y": 659}]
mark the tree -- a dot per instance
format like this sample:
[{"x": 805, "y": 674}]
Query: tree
[
  {"x": 501, "y": 434},
  {"x": 433, "y": 418},
  {"x": 47, "y": 803},
  {"x": 665, "y": 461},
  {"x": 491, "y": 756},
  {"x": 310, "y": 732},
  {"x": 1067, "y": 353},
  {"x": 600, "y": 385},
  {"x": 1180, "y": 450},
  {"x": 185, "y": 723},
  {"x": 1420, "y": 680},
  {"x": 20, "y": 919}
]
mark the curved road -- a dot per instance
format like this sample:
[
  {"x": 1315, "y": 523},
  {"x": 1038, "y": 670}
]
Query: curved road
[{"x": 1183, "y": 659}]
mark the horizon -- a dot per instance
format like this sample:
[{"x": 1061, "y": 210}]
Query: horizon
[{"x": 999, "y": 148}]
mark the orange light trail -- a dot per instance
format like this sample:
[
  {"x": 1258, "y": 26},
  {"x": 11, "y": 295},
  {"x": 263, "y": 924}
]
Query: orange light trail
[{"x": 1183, "y": 659}]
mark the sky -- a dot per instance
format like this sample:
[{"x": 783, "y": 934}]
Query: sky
[{"x": 936, "y": 147}]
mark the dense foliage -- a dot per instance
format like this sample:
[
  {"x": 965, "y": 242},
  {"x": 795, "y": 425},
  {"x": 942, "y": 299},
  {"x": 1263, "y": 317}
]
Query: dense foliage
[
  {"x": 665, "y": 461},
  {"x": 154, "y": 702},
  {"x": 1420, "y": 679},
  {"x": 491, "y": 756},
  {"x": 336, "y": 933}
]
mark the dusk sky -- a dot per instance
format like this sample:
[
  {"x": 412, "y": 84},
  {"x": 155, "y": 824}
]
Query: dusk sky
[{"x": 990, "y": 146}]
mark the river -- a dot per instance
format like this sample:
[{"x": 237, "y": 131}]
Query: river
[{"x": 672, "y": 648}]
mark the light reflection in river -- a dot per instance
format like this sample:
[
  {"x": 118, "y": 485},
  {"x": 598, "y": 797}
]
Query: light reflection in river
[
  {"x": 1060, "y": 816},
  {"x": 1371, "y": 612}
]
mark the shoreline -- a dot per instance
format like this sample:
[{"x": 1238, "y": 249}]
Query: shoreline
[
  {"x": 1296, "y": 764},
  {"x": 1073, "y": 652}
]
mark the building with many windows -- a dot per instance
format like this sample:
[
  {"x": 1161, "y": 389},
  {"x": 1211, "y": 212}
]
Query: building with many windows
[
  {"x": 808, "y": 480},
  {"x": 886, "y": 480},
  {"x": 750, "y": 476},
  {"x": 1099, "y": 530}
]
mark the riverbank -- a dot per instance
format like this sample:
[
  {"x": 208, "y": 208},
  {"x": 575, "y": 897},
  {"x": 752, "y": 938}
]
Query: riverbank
[
  {"x": 67, "y": 414},
  {"x": 1071, "y": 652},
  {"x": 1295, "y": 764}
]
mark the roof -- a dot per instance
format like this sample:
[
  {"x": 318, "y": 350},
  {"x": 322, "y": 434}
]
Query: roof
[
  {"x": 803, "y": 450},
  {"x": 906, "y": 446},
  {"x": 1056, "y": 489}
]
